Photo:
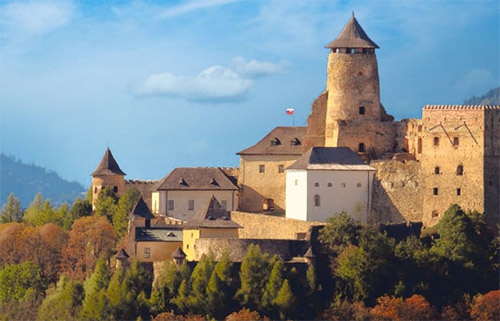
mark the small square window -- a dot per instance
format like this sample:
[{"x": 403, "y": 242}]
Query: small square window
[
  {"x": 316, "y": 184},
  {"x": 329, "y": 184},
  {"x": 147, "y": 252},
  {"x": 170, "y": 205},
  {"x": 262, "y": 168},
  {"x": 435, "y": 191},
  {"x": 191, "y": 205},
  {"x": 281, "y": 168}
]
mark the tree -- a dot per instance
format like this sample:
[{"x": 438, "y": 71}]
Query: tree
[
  {"x": 39, "y": 212},
  {"x": 352, "y": 282},
  {"x": 254, "y": 274},
  {"x": 285, "y": 300},
  {"x": 11, "y": 211},
  {"x": 63, "y": 304},
  {"x": 200, "y": 279},
  {"x": 18, "y": 281},
  {"x": 246, "y": 315},
  {"x": 486, "y": 307},
  {"x": 272, "y": 288},
  {"x": 10, "y": 243},
  {"x": 124, "y": 207},
  {"x": 166, "y": 287},
  {"x": 107, "y": 203},
  {"x": 96, "y": 304},
  {"x": 340, "y": 231},
  {"x": 89, "y": 238}
]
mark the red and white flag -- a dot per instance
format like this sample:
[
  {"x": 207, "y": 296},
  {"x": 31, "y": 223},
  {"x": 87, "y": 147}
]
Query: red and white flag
[{"x": 290, "y": 111}]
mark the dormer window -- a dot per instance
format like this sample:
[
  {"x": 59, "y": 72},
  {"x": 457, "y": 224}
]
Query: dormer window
[
  {"x": 276, "y": 141},
  {"x": 295, "y": 142},
  {"x": 214, "y": 182},
  {"x": 183, "y": 182}
]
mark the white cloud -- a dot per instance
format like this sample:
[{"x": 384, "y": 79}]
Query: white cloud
[
  {"x": 193, "y": 5},
  {"x": 36, "y": 17},
  {"x": 214, "y": 84},
  {"x": 257, "y": 68}
]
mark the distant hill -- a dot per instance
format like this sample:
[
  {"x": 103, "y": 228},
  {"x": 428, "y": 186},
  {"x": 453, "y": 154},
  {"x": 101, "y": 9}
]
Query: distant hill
[
  {"x": 25, "y": 181},
  {"x": 492, "y": 97}
]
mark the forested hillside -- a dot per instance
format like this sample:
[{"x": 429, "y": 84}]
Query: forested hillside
[
  {"x": 25, "y": 181},
  {"x": 492, "y": 97}
]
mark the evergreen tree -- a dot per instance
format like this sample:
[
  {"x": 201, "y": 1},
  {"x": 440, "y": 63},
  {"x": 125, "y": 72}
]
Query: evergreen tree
[
  {"x": 11, "y": 211},
  {"x": 272, "y": 288},
  {"x": 107, "y": 203},
  {"x": 65, "y": 303},
  {"x": 340, "y": 231},
  {"x": 285, "y": 301},
  {"x": 96, "y": 304},
  {"x": 124, "y": 207},
  {"x": 199, "y": 283}
]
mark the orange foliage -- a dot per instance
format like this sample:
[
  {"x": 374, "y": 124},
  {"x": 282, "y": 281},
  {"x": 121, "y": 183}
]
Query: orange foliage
[
  {"x": 486, "y": 307},
  {"x": 387, "y": 308},
  {"x": 414, "y": 308},
  {"x": 245, "y": 315}
]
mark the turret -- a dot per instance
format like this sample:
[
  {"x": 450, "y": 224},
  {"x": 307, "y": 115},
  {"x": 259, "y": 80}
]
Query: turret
[
  {"x": 352, "y": 82},
  {"x": 108, "y": 173}
]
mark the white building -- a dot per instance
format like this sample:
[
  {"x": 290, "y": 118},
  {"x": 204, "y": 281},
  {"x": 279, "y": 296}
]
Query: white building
[
  {"x": 328, "y": 180},
  {"x": 185, "y": 190}
]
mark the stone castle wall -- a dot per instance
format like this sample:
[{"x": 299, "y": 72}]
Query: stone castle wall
[
  {"x": 102, "y": 181},
  {"x": 261, "y": 226},
  {"x": 315, "y": 135}
]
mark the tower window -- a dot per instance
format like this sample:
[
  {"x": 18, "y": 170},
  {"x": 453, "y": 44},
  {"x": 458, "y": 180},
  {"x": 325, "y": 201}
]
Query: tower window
[
  {"x": 460, "y": 170},
  {"x": 435, "y": 191},
  {"x": 361, "y": 147},
  {"x": 361, "y": 110},
  {"x": 459, "y": 191},
  {"x": 262, "y": 168},
  {"x": 317, "y": 200},
  {"x": 436, "y": 170},
  {"x": 436, "y": 141},
  {"x": 455, "y": 141},
  {"x": 281, "y": 168}
]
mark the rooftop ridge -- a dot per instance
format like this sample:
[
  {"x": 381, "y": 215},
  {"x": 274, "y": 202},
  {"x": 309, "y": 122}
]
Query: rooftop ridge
[
  {"x": 461, "y": 107},
  {"x": 140, "y": 181}
]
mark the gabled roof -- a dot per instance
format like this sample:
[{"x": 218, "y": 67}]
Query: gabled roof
[
  {"x": 178, "y": 253},
  {"x": 141, "y": 210},
  {"x": 122, "y": 254},
  {"x": 158, "y": 234},
  {"x": 280, "y": 141},
  {"x": 352, "y": 36},
  {"x": 212, "y": 215},
  {"x": 196, "y": 178},
  {"x": 330, "y": 158},
  {"x": 108, "y": 165}
]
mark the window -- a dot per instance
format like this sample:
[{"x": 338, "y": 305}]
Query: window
[
  {"x": 435, "y": 191},
  {"x": 419, "y": 128},
  {"x": 262, "y": 168},
  {"x": 115, "y": 189},
  {"x": 187, "y": 246},
  {"x": 460, "y": 170},
  {"x": 436, "y": 170},
  {"x": 317, "y": 200},
  {"x": 419, "y": 145},
  {"x": 223, "y": 204},
  {"x": 361, "y": 110},
  {"x": 436, "y": 141},
  {"x": 316, "y": 184},
  {"x": 170, "y": 205},
  {"x": 95, "y": 190},
  {"x": 459, "y": 191},
  {"x": 343, "y": 185},
  {"x": 329, "y": 184},
  {"x": 281, "y": 168},
  {"x": 358, "y": 185},
  {"x": 455, "y": 141},
  {"x": 434, "y": 214},
  {"x": 190, "y": 205},
  {"x": 361, "y": 147},
  {"x": 296, "y": 182},
  {"x": 147, "y": 252}
]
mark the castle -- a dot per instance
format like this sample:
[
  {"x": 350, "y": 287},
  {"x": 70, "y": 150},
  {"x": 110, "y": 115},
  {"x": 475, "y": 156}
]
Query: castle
[{"x": 406, "y": 171}]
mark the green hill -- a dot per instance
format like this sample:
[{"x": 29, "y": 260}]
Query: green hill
[
  {"x": 492, "y": 97},
  {"x": 25, "y": 181}
]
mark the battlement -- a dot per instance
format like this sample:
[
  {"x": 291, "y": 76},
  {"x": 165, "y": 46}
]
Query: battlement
[
  {"x": 462, "y": 107},
  {"x": 137, "y": 181}
]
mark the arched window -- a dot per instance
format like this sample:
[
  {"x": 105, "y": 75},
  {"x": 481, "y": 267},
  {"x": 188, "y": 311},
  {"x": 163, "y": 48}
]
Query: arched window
[
  {"x": 317, "y": 200},
  {"x": 460, "y": 170}
]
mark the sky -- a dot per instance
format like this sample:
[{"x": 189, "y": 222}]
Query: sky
[{"x": 168, "y": 84}]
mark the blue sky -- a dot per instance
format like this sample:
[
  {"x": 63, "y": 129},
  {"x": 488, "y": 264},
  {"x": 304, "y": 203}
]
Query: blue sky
[{"x": 169, "y": 84}]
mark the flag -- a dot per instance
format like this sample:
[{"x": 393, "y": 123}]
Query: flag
[{"x": 290, "y": 111}]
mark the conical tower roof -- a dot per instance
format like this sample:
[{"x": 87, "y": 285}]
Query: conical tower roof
[
  {"x": 108, "y": 165},
  {"x": 352, "y": 36}
]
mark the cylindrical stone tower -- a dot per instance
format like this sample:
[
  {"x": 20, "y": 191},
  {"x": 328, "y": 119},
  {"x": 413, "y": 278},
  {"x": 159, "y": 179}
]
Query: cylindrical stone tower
[{"x": 108, "y": 173}]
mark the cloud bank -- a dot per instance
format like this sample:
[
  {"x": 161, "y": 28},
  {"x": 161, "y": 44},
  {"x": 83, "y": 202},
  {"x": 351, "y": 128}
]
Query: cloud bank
[{"x": 214, "y": 84}]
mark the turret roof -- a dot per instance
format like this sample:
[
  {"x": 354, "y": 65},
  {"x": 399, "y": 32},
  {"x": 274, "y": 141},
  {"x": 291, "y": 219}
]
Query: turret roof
[
  {"x": 108, "y": 165},
  {"x": 352, "y": 36}
]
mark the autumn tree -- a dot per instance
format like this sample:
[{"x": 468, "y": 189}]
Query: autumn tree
[
  {"x": 89, "y": 238},
  {"x": 12, "y": 210},
  {"x": 486, "y": 307}
]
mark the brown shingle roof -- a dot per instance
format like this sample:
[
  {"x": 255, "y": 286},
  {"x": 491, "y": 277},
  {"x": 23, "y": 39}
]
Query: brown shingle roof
[
  {"x": 108, "y": 165},
  {"x": 122, "y": 254},
  {"x": 280, "y": 141},
  {"x": 141, "y": 210},
  {"x": 178, "y": 253},
  {"x": 336, "y": 158},
  {"x": 196, "y": 178},
  {"x": 352, "y": 36},
  {"x": 212, "y": 215}
]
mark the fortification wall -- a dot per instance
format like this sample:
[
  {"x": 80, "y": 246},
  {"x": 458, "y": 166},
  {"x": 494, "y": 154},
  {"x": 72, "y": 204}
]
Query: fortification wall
[
  {"x": 315, "y": 135},
  {"x": 261, "y": 226},
  {"x": 397, "y": 192},
  {"x": 236, "y": 248}
]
